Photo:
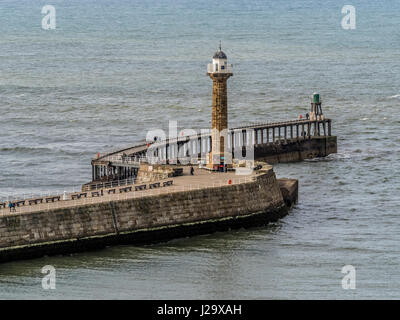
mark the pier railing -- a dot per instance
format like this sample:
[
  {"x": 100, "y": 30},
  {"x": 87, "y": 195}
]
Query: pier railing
[
  {"x": 321, "y": 127},
  {"x": 192, "y": 148},
  {"x": 132, "y": 160},
  {"x": 108, "y": 184},
  {"x": 250, "y": 135},
  {"x": 212, "y": 68}
]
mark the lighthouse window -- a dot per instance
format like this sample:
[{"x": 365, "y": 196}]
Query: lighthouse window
[
  {"x": 222, "y": 67},
  {"x": 216, "y": 67}
]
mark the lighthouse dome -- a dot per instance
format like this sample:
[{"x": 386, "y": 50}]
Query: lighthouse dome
[{"x": 219, "y": 55}]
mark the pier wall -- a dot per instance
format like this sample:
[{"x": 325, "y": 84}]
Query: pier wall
[
  {"x": 296, "y": 150},
  {"x": 143, "y": 220}
]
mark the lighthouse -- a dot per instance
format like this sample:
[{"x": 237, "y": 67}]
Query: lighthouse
[
  {"x": 316, "y": 109},
  {"x": 219, "y": 71}
]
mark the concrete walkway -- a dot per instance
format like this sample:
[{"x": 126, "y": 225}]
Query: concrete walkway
[{"x": 201, "y": 179}]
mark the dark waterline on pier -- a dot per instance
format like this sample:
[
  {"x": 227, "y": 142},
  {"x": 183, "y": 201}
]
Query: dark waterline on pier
[{"x": 112, "y": 71}]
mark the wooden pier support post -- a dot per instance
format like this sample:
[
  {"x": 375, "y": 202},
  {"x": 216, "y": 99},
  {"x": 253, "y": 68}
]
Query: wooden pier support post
[
  {"x": 329, "y": 128},
  {"x": 256, "y": 136},
  {"x": 273, "y": 134},
  {"x": 285, "y": 134}
]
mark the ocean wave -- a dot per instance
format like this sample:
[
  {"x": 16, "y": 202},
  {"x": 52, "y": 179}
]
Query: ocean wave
[
  {"x": 353, "y": 155},
  {"x": 42, "y": 151},
  {"x": 25, "y": 149},
  {"x": 395, "y": 96}
]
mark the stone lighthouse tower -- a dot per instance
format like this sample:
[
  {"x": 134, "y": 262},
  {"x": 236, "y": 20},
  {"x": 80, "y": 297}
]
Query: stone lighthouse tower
[{"x": 219, "y": 71}]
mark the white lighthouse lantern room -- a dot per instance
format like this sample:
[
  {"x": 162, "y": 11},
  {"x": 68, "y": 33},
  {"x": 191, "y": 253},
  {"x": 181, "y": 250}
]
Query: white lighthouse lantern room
[{"x": 219, "y": 63}]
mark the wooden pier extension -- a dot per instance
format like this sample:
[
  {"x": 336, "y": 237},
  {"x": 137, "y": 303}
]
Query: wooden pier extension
[{"x": 275, "y": 142}]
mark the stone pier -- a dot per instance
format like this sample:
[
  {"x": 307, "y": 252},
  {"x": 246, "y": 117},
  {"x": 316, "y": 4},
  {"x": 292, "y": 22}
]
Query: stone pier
[{"x": 191, "y": 205}]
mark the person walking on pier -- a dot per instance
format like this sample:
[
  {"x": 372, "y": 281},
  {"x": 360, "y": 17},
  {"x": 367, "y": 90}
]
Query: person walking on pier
[
  {"x": 11, "y": 206},
  {"x": 191, "y": 171}
]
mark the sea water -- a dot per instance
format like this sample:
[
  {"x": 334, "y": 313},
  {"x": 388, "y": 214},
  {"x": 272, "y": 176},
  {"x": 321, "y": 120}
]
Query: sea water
[{"x": 113, "y": 70}]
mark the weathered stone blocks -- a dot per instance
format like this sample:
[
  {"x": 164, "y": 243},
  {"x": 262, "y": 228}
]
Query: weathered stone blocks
[{"x": 103, "y": 223}]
